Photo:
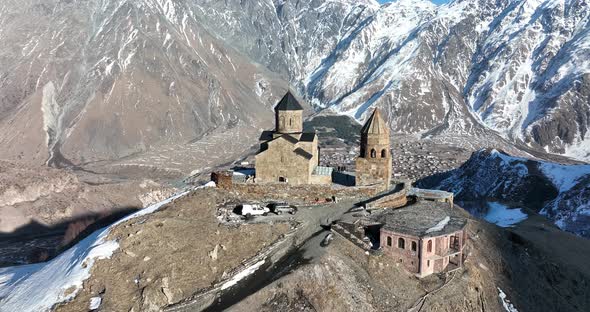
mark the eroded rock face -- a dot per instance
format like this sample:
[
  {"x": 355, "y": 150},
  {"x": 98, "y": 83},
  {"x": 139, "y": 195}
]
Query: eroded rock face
[{"x": 50, "y": 197}]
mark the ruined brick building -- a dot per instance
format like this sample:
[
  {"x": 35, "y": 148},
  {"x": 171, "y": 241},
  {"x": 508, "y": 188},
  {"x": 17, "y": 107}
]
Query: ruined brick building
[
  {"x": 373, "y": 166},
  {"x": 425, "y": 238},
  {"x": 289, "y": 155}
]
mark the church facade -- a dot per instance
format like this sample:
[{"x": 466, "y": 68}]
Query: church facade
[
  {"x": 287, "y": 154},
  {"x": 374, "y": 164}
]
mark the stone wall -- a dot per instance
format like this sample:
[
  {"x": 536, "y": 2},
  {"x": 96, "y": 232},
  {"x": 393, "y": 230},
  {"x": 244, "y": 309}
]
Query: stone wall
[
  {"x": 371, "y": 171},
  {"x": 223, "y": 179},
  {"x": 395, "y": 200},
  {"x": 280, "y": 161},
  {"x": 302, "y": 194},
  {"x": 321, "y": 179}
]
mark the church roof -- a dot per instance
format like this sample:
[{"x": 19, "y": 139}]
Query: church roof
[
  {"x": 302, "y": 152},
  {"x": 375, "y": 124},
  {"x": 288, "y": 103},
  {"x": 307, "y": 137},
  {"x": 290, "y": 139}
]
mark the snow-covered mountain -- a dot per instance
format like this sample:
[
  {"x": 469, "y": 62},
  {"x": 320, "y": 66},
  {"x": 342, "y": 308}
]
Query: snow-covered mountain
[
  {"x": 518, "y": 67},
  {"x": 560, "y": 192},
  {"x": 84, "y": 81}
]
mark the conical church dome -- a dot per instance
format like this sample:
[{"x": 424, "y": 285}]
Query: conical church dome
[{"x": 375, "y": 124}]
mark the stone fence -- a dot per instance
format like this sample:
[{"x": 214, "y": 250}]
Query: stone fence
[{"x": 308, "y": 194}]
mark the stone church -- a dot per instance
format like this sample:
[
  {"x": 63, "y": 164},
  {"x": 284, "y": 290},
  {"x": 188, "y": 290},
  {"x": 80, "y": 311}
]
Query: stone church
[
  {"x": 289, "y": 155},
  {"x": 373, "y": 166}
]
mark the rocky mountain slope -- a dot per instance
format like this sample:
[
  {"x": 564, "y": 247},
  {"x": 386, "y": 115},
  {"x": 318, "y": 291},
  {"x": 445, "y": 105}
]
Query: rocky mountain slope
[
  {"x": 518, "y": 67},
  {"x": 87, "y": 81},
  {"x": 560, "y": 192},
  {"x": 103, "y": 80}
]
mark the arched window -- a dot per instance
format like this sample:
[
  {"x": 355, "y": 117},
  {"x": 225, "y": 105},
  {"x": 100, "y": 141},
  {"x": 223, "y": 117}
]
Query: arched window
[
  {"x": 414, "y": 246},
  {"x": 383, "y": 153},
  {"x": 389, "y": 243},
  {"x": 373, "y": 153},
  {"x": 401, "y": 243},
  {"x": 290, "y": 122},
  {"x": 429, "y": 246}
]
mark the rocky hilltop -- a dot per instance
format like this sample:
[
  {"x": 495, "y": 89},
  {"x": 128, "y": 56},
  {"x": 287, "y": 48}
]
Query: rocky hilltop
[{"x": 559, "y": 192}]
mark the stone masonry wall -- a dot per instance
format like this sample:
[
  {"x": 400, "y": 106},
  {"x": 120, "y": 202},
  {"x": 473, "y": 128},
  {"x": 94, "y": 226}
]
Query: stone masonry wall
[{"x": 302, "y": 194}]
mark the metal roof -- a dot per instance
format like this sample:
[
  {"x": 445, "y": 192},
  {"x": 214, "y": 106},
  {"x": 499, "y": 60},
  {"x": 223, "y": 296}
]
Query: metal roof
[
  {"x": 429, "y": 194},
  {"x": 323, "y": 171}
]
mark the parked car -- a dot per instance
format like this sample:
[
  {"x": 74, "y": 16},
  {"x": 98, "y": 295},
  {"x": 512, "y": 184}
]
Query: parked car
[
  {"x": 280, "y": 208},
  {"x": 249, "y": 210}
]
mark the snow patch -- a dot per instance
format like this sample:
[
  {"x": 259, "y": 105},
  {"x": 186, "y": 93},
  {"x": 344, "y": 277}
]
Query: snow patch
[
  {"x": 240, "y": 276},
  {"x": 38, "y": 287},
  {"x": 440, "y": 225},
  {"x": 94, "y": 303},
  {"x": 564, "y": 177},
  {"x": 508, "y": 306},
  {"x": 503, "y": 216}
]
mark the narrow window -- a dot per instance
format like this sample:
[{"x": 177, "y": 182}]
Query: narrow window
[
  {"x": 401, "y": 243},
  {"x": 389, "y": 243},
  {"x": 429, "y": 246},
  {"x": 373, "y": 153},
  {"x": 290, "y": 122},
  {"x": 428, "y": 263},
  {"x": 383, "y": 154},
  {"x": 414, "y": 246}
]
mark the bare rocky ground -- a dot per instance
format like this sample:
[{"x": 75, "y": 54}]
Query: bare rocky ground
[
  {"x": 344, "y": 278},
  {"x": 39, "y": 206},
  {"x": 182, "y": 250},
  {"x": 172, "y": 254}
]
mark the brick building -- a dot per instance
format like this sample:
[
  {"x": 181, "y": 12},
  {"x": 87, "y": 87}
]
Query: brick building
[
  {"x": 426, "y": 238},
  {"x": 289, "y": 155},
  {"x": 373, "y": 166}
]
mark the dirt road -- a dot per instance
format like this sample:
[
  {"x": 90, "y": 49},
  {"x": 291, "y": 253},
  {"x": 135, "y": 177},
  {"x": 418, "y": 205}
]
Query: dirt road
[{"x": 303, "y": 247}]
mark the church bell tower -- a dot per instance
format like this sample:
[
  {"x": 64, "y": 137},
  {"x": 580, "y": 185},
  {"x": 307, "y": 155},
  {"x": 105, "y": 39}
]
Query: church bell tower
[
  {"x": 289, "y": 115},
  {"x": 374, "y": 164}
]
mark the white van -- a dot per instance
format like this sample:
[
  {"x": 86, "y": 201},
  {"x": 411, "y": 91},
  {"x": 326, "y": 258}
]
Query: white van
[{"x": 249, "y": 210}]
